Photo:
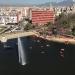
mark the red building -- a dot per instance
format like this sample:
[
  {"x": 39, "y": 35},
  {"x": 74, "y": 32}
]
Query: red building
[{"x": 42, "y": 16}]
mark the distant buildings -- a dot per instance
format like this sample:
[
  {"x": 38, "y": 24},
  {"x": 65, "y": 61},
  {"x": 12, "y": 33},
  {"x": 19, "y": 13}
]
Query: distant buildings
[
  {"x": 12, "y": 14},
  {"x": 5, "y": 19},
  {"x": 38, "y": 15},
  {"x": 66, "y": 9},
  {"x": 42, "y": 16}
]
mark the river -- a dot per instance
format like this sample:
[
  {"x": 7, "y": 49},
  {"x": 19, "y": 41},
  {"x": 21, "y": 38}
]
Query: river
[{"x": 42, "y": 56}]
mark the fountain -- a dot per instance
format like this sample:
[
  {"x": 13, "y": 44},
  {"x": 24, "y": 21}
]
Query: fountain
[{"x": 21, "y": 53}]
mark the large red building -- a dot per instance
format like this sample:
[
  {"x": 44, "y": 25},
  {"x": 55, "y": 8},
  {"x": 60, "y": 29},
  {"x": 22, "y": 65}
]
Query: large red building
[{"x": 42, "y": 16}]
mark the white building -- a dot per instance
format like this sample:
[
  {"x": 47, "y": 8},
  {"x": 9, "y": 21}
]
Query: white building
[
  {"x": 11, "y": 19},
  {"x": 2, "y": 21},
  {"x": 12, "y": 14},
  {"x": 5, "y": 19},
  {"x": 58, "y": 13}
]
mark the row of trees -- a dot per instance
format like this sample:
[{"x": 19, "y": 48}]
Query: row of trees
[
  {"x": 65, "y": 21},
  {"x": 25, "y": 24}
]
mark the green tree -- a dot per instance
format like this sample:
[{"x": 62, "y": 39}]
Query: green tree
[
  {"x": 49, "y": 25},
  {"x": 73, "y": 31},
  {"x": 64, "y": 20},
  {"x": 29, "y": 26},
  {"x": 25, "y": 24}
]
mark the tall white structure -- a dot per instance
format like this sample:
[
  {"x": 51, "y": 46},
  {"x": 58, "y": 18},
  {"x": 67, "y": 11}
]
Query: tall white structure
[{"x": 21, "y": 53}]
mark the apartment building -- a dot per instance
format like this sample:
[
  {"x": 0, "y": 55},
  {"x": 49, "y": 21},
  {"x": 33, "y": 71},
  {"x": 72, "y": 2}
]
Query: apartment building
[
  {"x": 42, "y": 16},
  {"x": 12, "y": 14}
]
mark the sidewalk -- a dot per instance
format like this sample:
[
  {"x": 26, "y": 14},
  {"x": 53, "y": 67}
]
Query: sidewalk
[{"x": 60, "y": 39}]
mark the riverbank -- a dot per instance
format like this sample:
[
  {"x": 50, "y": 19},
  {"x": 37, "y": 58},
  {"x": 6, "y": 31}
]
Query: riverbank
[
  {"x": 15, "y": 35},
  {"x": 58, "y": 38}
]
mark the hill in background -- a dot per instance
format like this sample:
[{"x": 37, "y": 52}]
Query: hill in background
[{"x": 62, "y": 3}]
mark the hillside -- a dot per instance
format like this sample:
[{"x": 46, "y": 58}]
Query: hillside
[{"x": 62, "y": 3}]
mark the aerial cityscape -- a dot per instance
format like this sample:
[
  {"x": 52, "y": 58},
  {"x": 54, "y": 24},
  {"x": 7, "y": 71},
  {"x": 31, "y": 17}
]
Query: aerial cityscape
[{"x": 37, "y": 36}]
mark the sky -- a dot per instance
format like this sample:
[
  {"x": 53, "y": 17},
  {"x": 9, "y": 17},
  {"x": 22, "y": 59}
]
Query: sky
[{"x": 25, "y": 1}]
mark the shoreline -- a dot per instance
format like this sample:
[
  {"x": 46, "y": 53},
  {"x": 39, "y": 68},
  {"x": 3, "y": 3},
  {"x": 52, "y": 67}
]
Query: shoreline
[{"x": 59, "y": 39}]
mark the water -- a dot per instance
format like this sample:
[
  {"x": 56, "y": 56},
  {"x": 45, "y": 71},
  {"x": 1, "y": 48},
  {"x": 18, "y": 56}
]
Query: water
[{"x": 40, "y": 56}]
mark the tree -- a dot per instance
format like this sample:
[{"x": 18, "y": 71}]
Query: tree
[
  {"x": 73, "y": 31},
  {"x": 49, "y": 25},
  {"x": 25, "y": 24},
  {"x": 29, "y": 26},
  {"x": 64, "y": 20}
]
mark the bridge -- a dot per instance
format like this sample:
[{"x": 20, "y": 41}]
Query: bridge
[{"x": 60, "y": 39}]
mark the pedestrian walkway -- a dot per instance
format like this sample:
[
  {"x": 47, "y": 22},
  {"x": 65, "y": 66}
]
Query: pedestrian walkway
[
  {"x": 60, "y": 39},
  {"x": 16, "y": 35}
]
